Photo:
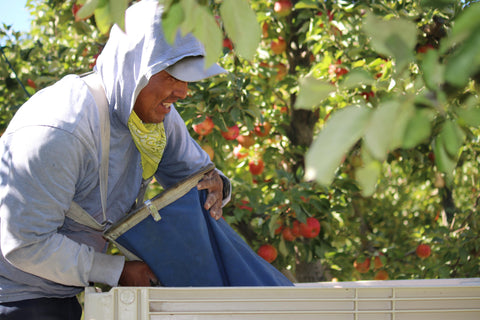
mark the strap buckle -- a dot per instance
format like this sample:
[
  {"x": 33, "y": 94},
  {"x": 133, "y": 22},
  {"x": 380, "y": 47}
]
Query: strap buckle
[{"x": 153, "y": 210}]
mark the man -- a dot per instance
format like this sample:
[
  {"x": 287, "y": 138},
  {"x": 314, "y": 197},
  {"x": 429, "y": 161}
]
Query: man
[{"x": 51, "y": 156}]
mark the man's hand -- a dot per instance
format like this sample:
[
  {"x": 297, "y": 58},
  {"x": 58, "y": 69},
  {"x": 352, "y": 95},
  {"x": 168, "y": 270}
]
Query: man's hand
[
  {"x": 214, "y": 184},
  {"x": 137, "y": 274}
]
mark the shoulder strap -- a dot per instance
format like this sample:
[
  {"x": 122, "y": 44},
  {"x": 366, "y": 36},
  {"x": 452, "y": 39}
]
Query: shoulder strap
[{"x": 76, "y": 212}]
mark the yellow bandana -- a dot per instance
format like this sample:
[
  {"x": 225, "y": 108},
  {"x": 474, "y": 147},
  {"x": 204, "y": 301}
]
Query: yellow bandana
[{"x": 150, "y": 140}]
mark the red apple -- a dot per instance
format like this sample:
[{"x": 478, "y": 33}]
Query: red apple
[
  {"x": 282, "y": 7},
  {"x": 281, "y": 71},
  {"x": 204, "y": 128},
  {"x": 381, "y": 275},
  {"x": 283, "y": 109},
  {"x": 425, "y": 48},
  {"x": 278, "y": 46},
  {"x": 232, "y": 133},
  {"x": 311, "y": 228},
  {"x": 246, "y": 140},
  {"x": 267, "y": 252},
  {"x": 262, "y": 130},
  {"x": 265, "y": 29},
  {"x": 280, "y": 227},
  {"x": 362, "y": 266},
  {"x": 296, "y": 228},
  {"x": 368, "y": 95},
  {"x": 423, "y": 251},
  {"x": 75, "y": 9},
  {"x": 340, "y": 71},
  {"x": 244, "y": 206},
  {"x": 31, "y": 84},
  {"x": 256, "y": 166},
  {"x": 330, "y": 15},
  {"x": 227, "y": 43},
  {"x": 377, "y": 262},
  {"x": 287, "y": 234}
]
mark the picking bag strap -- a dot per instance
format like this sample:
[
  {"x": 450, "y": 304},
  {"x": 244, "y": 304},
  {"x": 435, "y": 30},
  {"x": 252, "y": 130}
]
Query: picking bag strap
[{"x": 77, "y": 213}]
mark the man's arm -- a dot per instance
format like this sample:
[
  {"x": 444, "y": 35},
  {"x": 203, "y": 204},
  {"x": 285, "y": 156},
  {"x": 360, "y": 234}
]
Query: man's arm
[{"x": 40, "y": 169}]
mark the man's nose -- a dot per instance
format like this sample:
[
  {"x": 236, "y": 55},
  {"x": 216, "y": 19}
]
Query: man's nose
[{"x": 181, "y": 89}]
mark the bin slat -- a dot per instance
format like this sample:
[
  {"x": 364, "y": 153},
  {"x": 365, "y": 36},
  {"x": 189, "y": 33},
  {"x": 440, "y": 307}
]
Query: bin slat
[{"x": 373, "y": 300}]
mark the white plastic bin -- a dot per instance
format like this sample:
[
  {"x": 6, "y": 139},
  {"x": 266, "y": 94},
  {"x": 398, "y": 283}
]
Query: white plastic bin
[{"x": 446, "y": 299}]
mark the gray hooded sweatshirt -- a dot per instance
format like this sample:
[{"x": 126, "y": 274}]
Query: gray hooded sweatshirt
[{"x": 50, "y": 156}]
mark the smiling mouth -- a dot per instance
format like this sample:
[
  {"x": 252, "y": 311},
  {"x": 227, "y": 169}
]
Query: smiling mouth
[{"x": 166, "y": 105}]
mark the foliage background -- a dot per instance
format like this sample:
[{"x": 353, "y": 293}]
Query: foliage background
[{"x": 373, "y": 112}]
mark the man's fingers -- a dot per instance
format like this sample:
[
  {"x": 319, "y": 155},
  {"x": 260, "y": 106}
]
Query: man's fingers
[
  {"x": 214, "y": 184},
  {"x": 216, "y": 212},
  {"x": 214, "y": 205}
]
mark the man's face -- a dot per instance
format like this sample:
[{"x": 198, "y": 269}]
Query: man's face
[{"x": 154, "y": 101}]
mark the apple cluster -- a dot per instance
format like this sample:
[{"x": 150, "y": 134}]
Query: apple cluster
[
  {"x": 256, "y": 165},
  {"x": 308, "y": 230},
  {"x": 363, "y": 265}
]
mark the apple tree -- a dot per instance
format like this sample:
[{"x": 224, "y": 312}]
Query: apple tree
[
  {"x": 348, "y": 128},
  {"x": 370, "y": 132},
  {"x": 56, "y": 45}
]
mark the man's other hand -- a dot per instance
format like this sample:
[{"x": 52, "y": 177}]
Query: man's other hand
[{"x": 214, "y": 184}]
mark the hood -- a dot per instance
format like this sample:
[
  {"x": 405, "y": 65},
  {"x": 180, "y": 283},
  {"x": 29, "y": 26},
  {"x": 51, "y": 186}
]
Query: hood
[{"x": 130, "y": 58}]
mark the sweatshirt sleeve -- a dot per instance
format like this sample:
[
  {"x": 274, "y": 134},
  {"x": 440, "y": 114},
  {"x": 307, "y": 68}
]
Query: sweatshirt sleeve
[
  {"x": 41, "y": 169},
  {"x": 183, "y": 156}
]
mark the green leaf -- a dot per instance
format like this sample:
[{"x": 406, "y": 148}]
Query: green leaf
[
  {"x": 419, "y": 128},
  {"x": 395, "y": 37},
  {"x": 452, "y": 137},
  {"x": 470, "y": 116},
  {"x": 171, "y": 21},
  {"x": 357, "y": 77},
  {"x": 208, "y": 32},
  {"x": 432, "y": 70},
  {"x": 386, "y": 128},
  {"x": 117, "y": 11},
  {"x": 464, "y": 62},
  {"x": 367, "y": 177},
  {"x": 399, "y": 126},
  {"x": 273, "y": 225},
  {"x": 282, "y": 248},
  {"x": 241, "y": 26},
  {"x": 103, "y": 17},
  {"x": 402, "y": 53},
  {"x": 437, "y": 4},
  {"x": 190, "y": 16},
  {"x": 444, "y": 163},
  {"x": 307, "y": 4},
  {"x": 87, "y": 9},
  {"x": 466, "y": 24},
  {"x": 340, "y": 133},
  {"x": 312, "y": 92}
]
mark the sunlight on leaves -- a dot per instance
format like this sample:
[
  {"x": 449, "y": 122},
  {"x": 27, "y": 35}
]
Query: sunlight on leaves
[
  {"x": 340, "y": 133},
  {"x": 241, "y": 26}
]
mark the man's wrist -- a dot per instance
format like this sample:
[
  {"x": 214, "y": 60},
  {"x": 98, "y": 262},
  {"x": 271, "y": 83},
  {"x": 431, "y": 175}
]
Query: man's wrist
[{"x": 226, "y": 187}]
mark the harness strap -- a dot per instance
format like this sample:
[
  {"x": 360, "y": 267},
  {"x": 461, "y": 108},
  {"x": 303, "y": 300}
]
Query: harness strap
[{"x": 77, "y": 213}]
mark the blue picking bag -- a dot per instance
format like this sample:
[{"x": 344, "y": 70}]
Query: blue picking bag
[{"x": 187, "y": 247}]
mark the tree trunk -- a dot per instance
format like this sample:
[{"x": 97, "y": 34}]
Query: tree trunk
[{"x": 310, "y": 272}]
